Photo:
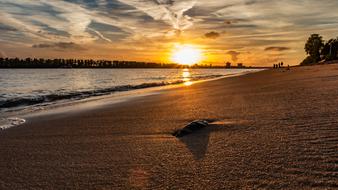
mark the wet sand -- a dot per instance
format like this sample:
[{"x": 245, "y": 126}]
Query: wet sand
[{"x": 278, "y": 130}]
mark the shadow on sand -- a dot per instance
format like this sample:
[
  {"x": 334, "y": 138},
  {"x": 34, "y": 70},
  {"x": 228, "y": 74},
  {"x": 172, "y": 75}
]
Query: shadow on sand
[{"x": 197, "y": 142}]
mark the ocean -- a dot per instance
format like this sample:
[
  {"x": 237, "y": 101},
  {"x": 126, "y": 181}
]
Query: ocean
[{"x": 31, "y": 89}]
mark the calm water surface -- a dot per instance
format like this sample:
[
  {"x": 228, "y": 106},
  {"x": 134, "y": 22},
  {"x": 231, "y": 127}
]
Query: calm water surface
[{"x": 20, "y": 88}]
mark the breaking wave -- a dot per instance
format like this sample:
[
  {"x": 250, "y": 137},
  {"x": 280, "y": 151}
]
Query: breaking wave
[{"x": 76, "y": 95}]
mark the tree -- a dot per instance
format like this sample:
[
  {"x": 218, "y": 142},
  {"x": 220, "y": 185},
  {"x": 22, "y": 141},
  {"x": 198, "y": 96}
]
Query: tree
[
  {"x": 308, "y": 60},
  {"x": 330, "y": 50},
  {"x": 313, "y": 47}
]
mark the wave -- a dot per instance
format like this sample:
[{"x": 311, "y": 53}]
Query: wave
[
  {"x": 10, "y": 122},
  {"x": 76, "y": 95},
  {"x": 18, "y": 102}
]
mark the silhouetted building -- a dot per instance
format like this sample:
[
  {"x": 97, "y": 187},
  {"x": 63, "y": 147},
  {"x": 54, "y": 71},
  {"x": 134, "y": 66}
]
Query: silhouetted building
[
  {"x": 228, "y": 65},
  {"x": 240, "y": 65}
]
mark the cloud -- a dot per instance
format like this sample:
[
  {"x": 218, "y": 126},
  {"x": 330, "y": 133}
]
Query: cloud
[
  {"x": 272, "y": 48},
  {"x": 234, "y": 55},
  {"x": 170, "y": 11},
  {"x": 59, "y": 46},
  {"x": 100, "y": 35},
  {"x": 2, "y": 54},
  {"x": 7, "y": 28},
  {"x": 233, "y": 21},
  {"x": 212, "y": 35}
]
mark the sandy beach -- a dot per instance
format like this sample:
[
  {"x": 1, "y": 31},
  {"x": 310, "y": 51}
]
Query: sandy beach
[{"x": 277, "y": 130}]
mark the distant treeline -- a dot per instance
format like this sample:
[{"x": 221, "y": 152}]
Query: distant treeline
[
  {"x": 320, "y": 51},
  {"x": 89, "y": 63},
  {"x": 77, "y": 63}
]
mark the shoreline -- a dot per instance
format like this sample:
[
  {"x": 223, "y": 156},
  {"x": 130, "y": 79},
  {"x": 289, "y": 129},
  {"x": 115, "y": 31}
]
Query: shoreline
[
  {"x": 278, "y": 132},
  {"x": 89, "y": 103}
]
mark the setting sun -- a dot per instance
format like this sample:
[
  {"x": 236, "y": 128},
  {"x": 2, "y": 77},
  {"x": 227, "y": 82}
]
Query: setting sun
[{"x": 186, "y": 55}]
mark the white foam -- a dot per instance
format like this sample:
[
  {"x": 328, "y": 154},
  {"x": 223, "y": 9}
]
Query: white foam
[{"x": 11, "y": 122}]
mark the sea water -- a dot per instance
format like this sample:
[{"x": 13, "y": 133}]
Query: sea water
[{"x": 32, "y": 88}]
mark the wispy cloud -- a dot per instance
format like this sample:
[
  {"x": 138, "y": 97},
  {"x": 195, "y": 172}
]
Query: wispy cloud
[
  {"x": 3, "y": 54},
  {"x": 60, "y": 46},
  {"x": 169, "y": 11},
  {"x": 100, "y": 35},
  {"x": 145, "y": 28},
  {"x": 212, "y": 35},
  {"x": 234, "y": 55},
  {"x": 277, "y": 48},
  {"x": 7, "y": 28}
]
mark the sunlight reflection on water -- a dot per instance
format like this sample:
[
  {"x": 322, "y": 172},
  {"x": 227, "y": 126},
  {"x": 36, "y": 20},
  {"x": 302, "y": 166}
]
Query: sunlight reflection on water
[{"x": 186, "y": 77}]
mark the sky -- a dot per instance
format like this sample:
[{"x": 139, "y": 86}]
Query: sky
[{"x": 253, "y": 32}]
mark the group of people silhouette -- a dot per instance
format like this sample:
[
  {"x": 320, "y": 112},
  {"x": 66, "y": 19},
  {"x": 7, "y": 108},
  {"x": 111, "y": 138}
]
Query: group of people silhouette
[{"x": 280, "y": 65}]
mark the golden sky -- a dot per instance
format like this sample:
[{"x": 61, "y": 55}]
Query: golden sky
[{"x": 255, "y": 32}]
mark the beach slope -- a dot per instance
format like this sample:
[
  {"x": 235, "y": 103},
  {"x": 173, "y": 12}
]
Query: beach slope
[{"x": 276, "y": 129}]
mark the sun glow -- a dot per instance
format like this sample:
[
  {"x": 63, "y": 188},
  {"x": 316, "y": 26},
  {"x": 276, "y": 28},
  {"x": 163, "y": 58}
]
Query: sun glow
[{"x": 186, "y": 55}]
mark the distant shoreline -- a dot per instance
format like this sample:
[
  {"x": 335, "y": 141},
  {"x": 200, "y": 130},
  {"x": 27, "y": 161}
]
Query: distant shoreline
[
  {"x": 105, "y": 64},
  {"x": 135, "y": 68}
]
